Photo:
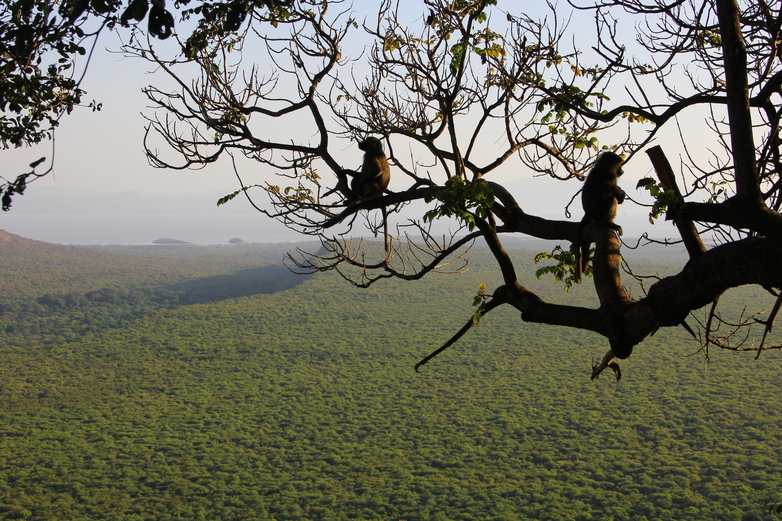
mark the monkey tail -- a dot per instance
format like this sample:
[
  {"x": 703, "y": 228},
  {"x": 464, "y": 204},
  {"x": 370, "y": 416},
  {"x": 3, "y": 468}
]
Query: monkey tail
[
  {"x": 580, "y": 250},
  {"x": 386, "y": 238}
]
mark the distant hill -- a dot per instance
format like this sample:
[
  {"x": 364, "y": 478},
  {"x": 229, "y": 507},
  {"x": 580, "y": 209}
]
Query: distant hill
[
  {"x": 30, "y": 268},
  {"x": 52, "y": 294},
  {"x": 170, "y": 242}
]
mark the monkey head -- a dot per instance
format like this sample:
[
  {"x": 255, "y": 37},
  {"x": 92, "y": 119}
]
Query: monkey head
[
  {"x": 372, "y": 145},
  {"x": 609, "y": 162}
]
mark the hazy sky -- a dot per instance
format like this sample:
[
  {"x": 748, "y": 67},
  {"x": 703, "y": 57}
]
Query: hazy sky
[{"x": 102, "y": 152}]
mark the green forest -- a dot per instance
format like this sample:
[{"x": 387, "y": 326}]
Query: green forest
[{"x": 210, "y": 383}]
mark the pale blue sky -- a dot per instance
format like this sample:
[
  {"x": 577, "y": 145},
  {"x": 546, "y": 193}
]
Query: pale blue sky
[{"x": 102, "y": 152}]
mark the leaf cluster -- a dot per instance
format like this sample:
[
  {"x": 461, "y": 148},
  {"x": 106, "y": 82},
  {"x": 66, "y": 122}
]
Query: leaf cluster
[
  {"x": 216, "y": 20},
  {"x": 462, "y": 200},
  {"x": 479, "y": 301},
  {"x": 231, "y": 196},
  {"x": 39, "y": 50},
  {"x": 664, "y": 199},
  {"x": 448, "y": 20},
  {"x": 565, "y": 267},
  {"x": 8, "y": 189},
  {"x": 37, "y": 53}
]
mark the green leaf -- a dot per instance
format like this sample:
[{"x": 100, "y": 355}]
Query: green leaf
[
  {"x": 563, "y": 270},
  {"x": 663, "y": 199},
  {"x": 462, "y": 200},
  {"x": 479, "y": 301},
  {"x": 228, "y": 197}
]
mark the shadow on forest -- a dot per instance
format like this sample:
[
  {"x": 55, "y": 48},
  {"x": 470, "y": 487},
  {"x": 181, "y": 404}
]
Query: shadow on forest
[{"x": 242, "y": 283}]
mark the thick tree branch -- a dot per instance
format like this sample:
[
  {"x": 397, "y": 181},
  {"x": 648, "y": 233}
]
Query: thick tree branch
[
  {"x": 738, "y": 213},
  {"x": 687, "y": 230},
  {"x": 626, "y": 323},
  {"x": 704, "y": 278},
  {"x": 736, "y": 85}
]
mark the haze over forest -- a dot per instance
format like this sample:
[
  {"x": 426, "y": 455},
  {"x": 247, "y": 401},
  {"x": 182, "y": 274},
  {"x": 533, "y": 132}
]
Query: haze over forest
[{"x": 68, "y": 215}]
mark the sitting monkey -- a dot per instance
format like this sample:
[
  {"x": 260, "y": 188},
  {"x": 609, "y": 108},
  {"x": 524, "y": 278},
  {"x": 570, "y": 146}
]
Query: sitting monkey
[
  {"x": 599, "y": 197},
  {"x": 375, "y": 173},
  {"x": 369, "y": 183}
]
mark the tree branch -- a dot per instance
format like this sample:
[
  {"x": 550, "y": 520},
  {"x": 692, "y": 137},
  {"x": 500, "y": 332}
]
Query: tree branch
[{"x": 686, "y": 227}]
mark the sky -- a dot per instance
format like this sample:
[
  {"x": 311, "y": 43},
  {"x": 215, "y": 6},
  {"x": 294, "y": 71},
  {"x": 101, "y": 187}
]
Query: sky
[
  {"x": 100, "y": 152},
  {"x": 99, "y": 155}
]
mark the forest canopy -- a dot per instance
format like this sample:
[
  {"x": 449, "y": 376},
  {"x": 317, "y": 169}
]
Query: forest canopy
[{"x": 464, "y": 96}]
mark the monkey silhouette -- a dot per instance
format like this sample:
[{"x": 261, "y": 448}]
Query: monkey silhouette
[{"x": 599, "y": 197}]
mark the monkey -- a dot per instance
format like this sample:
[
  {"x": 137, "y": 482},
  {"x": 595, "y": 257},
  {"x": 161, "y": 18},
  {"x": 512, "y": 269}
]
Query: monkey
[
  {"x": 137, "y": 10},
  {"x": 161, "y": 22},
  {"x": 234, "y": 16},
  {"x": 599, "y": 197},
  {"x": 601, "y": 193},
  {"x": 375, "y": 173},
  {"x": 370, "y": 182}
]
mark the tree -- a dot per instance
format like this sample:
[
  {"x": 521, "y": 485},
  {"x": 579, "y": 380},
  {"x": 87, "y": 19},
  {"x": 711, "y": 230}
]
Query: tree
[
  {"x": 42, "y": 43},
  {"x": 292, "y": 94}
]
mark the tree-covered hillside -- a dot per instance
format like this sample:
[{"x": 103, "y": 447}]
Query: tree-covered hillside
[
  {"x": 51, "y": 293},
  {"x": 303, "y": 404}
]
